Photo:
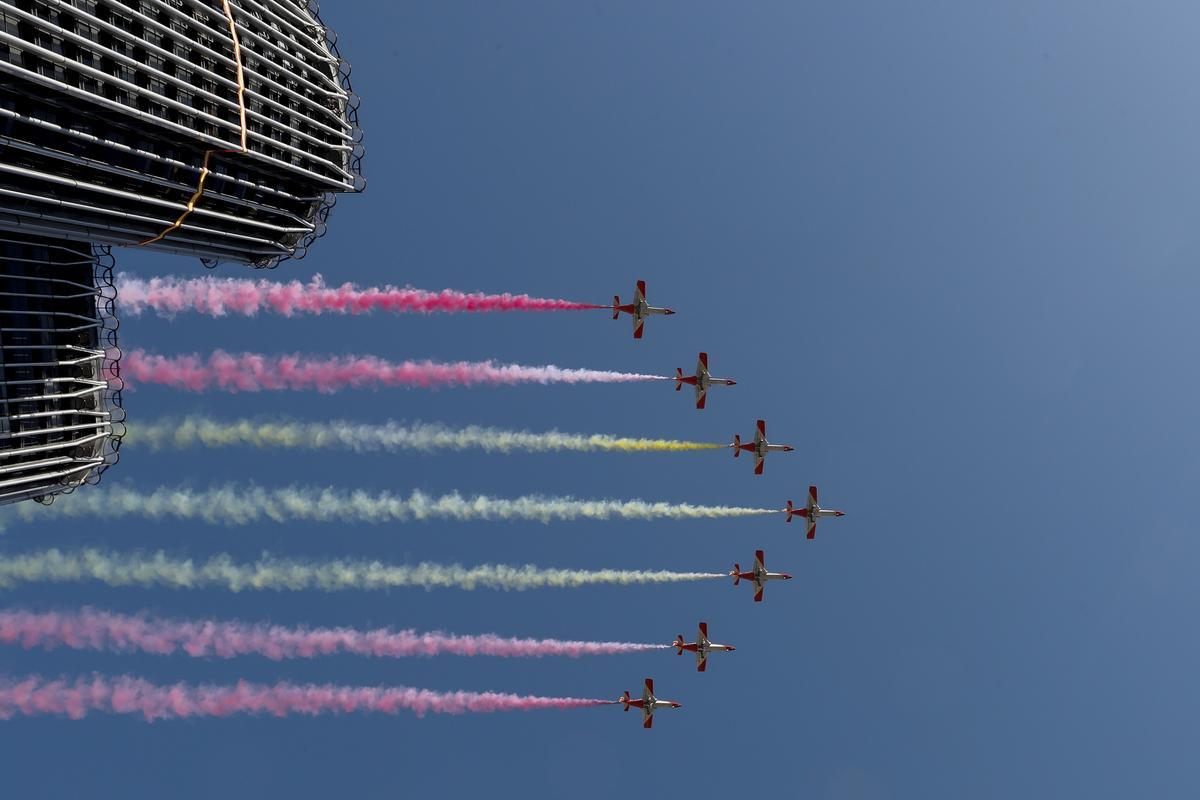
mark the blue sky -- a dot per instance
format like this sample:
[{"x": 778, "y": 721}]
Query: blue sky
[{"x": 947, "y": 249}]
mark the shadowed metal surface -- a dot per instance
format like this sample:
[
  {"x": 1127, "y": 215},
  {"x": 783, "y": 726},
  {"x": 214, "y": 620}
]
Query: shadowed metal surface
[
  {"x": 123, "y": 119},
  {"x": 60, "y": 404}
]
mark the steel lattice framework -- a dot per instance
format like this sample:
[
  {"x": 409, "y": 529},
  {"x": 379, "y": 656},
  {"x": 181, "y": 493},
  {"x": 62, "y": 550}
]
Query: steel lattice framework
[
  {"x": 60, "y": 402},
  {"x": 217, "y": 128},
  {"x": 222, "y": 129}
]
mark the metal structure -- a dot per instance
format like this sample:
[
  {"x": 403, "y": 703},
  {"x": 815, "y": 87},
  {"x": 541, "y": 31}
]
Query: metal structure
[
  {"x": 217, "y": 128},
  {"x": 60, "y": 399},
  {"x": 222, "y": 129}
]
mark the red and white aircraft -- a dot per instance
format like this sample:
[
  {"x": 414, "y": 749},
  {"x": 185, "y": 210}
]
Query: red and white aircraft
[
  {"x": 639, "y": 309},
  {"x": 648, "y": 704},
  {"x": 760, "y": 447},
  {"x": 701, "y": 380},
  {"x": 701, "y": 647},
  {"x": 811, "y": 512},
  {"x": 759, "y": 575}
]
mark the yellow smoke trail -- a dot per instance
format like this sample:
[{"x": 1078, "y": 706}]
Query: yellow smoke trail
[
  {"x": 239, "y": 505},
  {"x": 276, "y": 574},
  {"x": 194, "y": 431}
]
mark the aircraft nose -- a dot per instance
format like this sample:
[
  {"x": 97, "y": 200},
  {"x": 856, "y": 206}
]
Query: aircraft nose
[
  {"x": 732, "y": 648},
  {"x": 733, "y": 383},
  {"x": 787, "y": 577},
  {"x": 841, "y": 513},
  {"x": 789, "y": 449},
  {"x": 670, "y": 311}
]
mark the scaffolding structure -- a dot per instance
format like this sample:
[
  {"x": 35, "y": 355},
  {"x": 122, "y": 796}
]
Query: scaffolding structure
[
  {"x": 212, "y": 128},
  {"x": 61, "y": 418},
  {"x": 219, "y": 129}
]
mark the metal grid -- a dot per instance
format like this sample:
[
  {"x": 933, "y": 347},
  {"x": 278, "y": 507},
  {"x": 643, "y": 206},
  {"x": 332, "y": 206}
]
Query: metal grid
[
  {"x": 61, "y": 419},
  {"x": 108, "y": 108}
]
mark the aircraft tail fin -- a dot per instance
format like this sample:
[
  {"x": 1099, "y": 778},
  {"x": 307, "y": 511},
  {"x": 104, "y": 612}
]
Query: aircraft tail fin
[
  {"x": 737, "y": 574},
  {"x": 737, "y": 445},
  {"x": 678, "y": 378},
  {"x": 616, "y": 303},
  {"x": 791, "y": 510},
  {"x": 679, "y": 644}
]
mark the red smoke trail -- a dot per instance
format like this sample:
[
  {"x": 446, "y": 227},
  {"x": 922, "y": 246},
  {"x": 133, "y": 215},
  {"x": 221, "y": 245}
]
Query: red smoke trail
[
  {"x": 98, "y": 630},
  {"x": 254, "y": 372},
  {"x": 36, "y": 696},
  {"x": 218, "y": 297}
]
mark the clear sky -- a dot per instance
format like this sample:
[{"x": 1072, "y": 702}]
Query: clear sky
[{"x": 948, "y": 250}]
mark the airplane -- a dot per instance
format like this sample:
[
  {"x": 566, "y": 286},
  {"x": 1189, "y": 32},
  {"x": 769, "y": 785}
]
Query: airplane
[
  {"x": 811, "y": 512},
  {"x": 760, "y": 447},
  {"x": 639, "y": 309},
  {"x": 701, "y": 647},
  {"x": 759, "y": 575},
  {"x": 648, "y": 704},
  {"x": 701, "y": 380}
]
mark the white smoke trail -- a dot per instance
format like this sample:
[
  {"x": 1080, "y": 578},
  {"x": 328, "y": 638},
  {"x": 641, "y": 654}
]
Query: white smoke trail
[
  {"x": 195, "y": 431},
  {"x": 237, "y": 505},
  {"x": 281, "y": 574}
]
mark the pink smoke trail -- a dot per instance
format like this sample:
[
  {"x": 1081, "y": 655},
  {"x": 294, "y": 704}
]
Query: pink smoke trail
[
  {"x": 218, "y": 297},
  {"x": 89, "y": 629},
  {"x": 254, "y": 372},
  {"x": 37, "y": 696}
]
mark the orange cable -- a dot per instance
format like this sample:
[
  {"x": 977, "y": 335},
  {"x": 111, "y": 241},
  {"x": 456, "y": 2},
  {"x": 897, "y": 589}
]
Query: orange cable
[
  {"x": 241, "y": 78},
  {"x": 204, "y": 171}
]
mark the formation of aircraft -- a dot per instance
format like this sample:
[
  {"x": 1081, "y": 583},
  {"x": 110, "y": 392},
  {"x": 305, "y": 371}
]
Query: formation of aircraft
[
  {"x": 811, "y": 512},
  {"x": 759, "y": 575},
  {"x": 701, "y": 380},
  {"x": 701, "y": 647},
  {"x": 648, "y": 704},
  {"x": 639, "y": 309},
  {"x": 760, "y": 447}
]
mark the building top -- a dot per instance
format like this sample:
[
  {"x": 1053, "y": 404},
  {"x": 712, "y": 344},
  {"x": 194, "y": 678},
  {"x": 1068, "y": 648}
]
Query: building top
[{"x": 217, "y": 128}]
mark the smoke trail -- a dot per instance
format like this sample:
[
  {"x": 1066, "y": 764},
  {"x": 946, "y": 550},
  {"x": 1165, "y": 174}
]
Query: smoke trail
[
  {"x": 388, "y": 437},
  {"x": 238, "y": 505},
  {"x": 89, "y": 629},
  {"x": 36, "y": 696},
  {"x": 278, "y": 574},
  {"x": 218, "y": 297},
  {"x": 254, "y": 372}
]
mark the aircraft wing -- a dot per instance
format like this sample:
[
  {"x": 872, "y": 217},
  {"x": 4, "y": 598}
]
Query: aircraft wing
[
  {"x": 758, "y": 590},
  {"x": 812, "y": 527},
  {"x": 637, "y": 326},
  {"x": 648, "y": 716},
  {"x": 760, "y": 433},
  {"x": 812, "y": 497},
  {"x": 701, "y": 395},
  {"x": 648, "y": 691},
  {"x": 701, "y": 660},
  {"x": 758, "y": 464},
  {"x": 702, "y": 365},
  {"x": 703, "y": 632},
  {"x": 759, "y": 564},
  {"x": 640, "y": 293}
]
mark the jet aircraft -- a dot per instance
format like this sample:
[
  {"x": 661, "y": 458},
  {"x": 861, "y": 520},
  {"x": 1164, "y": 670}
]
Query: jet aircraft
[
  {"x": 760, "y": 447},
  {"x": 758, "y": 575},
  {"x": 639, "y": 309},
  {"x": 701, "y": 380},
  {"x": 648, "y": 704},
  {"x": 701, "y": 647},
  {"x": 811, "y": 512}
]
